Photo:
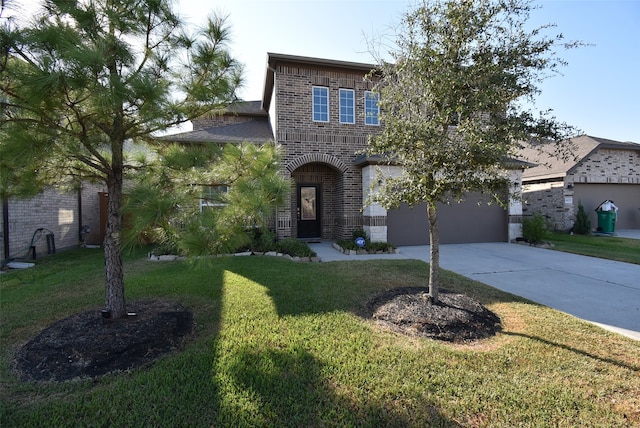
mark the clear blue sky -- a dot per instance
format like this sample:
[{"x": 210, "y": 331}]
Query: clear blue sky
[{"x": 599, "y": 91}]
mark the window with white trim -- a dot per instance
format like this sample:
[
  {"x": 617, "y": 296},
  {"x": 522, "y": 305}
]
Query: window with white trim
[
  {"x": 347, "y": 106},
  {"x": 371, "y": 109},
  {"x": 320, "y": 104},
  {"x": 214, "y": 196}
]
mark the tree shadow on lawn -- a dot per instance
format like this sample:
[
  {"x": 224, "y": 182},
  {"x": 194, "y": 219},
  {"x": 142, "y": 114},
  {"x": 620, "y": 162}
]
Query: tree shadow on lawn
[
  {"x": 392, "y": 293},
  {"x": 351, "y": 286},
  {"x": 290, "y": 389},
  {"x": 611, "y": 361},
  {"x": 286, "y": 387}
]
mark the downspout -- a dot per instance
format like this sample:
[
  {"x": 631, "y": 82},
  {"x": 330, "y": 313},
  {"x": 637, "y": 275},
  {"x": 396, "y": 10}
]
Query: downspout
[
  {"x": 80, "y": 230},
  {"x": 5, "y": 225}
]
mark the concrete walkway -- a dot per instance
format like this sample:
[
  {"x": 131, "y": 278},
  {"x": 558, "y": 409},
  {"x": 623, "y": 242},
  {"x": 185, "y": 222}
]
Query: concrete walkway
[
  {"x": 627, "y": 233},
  {"x": 603, "y": 292}
]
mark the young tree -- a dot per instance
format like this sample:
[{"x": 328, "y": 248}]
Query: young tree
[
  {"x": 452, "y": 104},
  {"x": 84, "y": 78}
]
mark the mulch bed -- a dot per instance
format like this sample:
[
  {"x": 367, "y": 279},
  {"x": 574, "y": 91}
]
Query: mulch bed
[
  {"x": 87, "y": 345},
  {"x": 454, "y": 318}
]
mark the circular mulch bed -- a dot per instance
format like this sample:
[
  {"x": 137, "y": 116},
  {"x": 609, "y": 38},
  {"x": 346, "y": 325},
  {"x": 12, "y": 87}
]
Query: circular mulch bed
[
  {"x": 87, "y": 345},
  {"x": 454, "y": 318}
]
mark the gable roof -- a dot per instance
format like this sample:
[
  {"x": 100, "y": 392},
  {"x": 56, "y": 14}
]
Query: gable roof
[
  {"x": 247, "y": 108},
  {"x": 548, "y": 167},
  {"x": 254, "y": 131},
  {"x": 274, "y": 58}
]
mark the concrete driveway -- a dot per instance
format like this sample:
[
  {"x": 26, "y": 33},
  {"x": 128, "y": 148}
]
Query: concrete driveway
[{"x": 604, "y": 292}]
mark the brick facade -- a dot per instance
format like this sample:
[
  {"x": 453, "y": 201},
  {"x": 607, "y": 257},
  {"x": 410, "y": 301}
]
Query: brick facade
[
  {"x": 326, "y": 156},
  {"x": 607, "y": 166},
  {"x": 556, "y": 199},
  {"x": 548, "y": 199},
  {"x": 219, "y": 120},
  {"x": 54, "y": 212},
  {"x": 321, "y": 152}
]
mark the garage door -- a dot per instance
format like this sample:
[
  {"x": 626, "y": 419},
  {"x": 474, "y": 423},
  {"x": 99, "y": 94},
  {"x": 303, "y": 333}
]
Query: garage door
[
  {"x": 469, "y": 221},
  {"x": 625, "y": 196}
]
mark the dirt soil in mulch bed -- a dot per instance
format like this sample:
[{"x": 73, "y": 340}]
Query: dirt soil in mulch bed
[
  {"x": 454, "y": 318},
  {"x": 86, "y": 345}
]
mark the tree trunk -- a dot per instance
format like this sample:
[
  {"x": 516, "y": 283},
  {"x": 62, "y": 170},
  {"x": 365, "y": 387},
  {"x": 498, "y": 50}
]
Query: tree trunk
[
  {"x": 434, "y": 256},
  {"x": 115, "y": 302}
]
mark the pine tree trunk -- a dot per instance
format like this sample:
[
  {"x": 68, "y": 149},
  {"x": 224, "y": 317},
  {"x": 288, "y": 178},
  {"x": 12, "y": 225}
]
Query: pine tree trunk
[
  {"x": 434, "y": 256},
  {"x": 115, "y": 302}
]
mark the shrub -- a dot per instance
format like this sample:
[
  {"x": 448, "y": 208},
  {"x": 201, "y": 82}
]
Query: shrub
[
  {"x": 350, "y": 244},
  {"x": 359, "y": 234},
  {"x": 582, "y": 225},
  {"x": 378, "y": 246},
  {"x": 295, "y": 248},
  {"x": 263, "y": 240},
  {"x": 534, "y": 228}
]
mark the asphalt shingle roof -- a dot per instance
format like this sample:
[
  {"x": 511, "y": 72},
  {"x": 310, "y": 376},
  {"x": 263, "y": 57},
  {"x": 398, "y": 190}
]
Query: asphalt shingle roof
[
  {"x": 254, "y": 131},
  {"x": 549, "y": 167}
]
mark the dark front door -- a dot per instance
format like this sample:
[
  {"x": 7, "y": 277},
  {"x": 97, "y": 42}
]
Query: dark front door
[{"x": 309, "y": 222}]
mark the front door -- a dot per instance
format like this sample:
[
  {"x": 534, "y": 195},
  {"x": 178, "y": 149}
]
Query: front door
[{"x": 309, "y": 222}]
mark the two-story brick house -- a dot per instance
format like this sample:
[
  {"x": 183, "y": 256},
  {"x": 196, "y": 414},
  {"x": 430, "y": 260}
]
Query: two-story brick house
[{"x": 321, "y": 112}]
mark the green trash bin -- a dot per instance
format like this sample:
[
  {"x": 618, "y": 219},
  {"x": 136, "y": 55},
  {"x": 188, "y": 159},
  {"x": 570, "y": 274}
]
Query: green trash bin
[{"x": 607, "y": 221}]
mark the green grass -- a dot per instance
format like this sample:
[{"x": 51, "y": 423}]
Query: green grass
[
  {"x": 283, "y": 344},
  {"x": 604, "y": 247}
]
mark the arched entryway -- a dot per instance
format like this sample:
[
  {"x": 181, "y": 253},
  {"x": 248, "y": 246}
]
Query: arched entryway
[
  {"x": 317, "y": 194},
  {"x": 315, "y": 203}
]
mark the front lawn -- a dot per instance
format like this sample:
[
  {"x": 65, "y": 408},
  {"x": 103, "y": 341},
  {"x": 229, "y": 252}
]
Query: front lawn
[
  {"x": 279, "y": 343},
  {"x": 604, "y": 247}
]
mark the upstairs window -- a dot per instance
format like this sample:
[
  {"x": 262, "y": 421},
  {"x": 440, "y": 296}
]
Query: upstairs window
[
  {"x": 371, "y": 109},
  {"x": 347, "y": 106},
  {"x": 320, "y": 104},
  {"x": 214, "y": 196}
]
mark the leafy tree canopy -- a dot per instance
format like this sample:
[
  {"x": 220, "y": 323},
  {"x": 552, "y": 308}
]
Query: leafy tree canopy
[
  {"x": 452, "y": 98},
  {"x": 452, "y": 103}
]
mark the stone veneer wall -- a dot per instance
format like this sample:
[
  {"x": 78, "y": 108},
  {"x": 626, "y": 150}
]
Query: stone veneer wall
[
  {"x": 375, "y": 216},
  {"x": 515, "y": 208},
  {"x": 555, "y": 199},
  {"x": 333, "y": 144},
  {"x": 57, "y": 212}
]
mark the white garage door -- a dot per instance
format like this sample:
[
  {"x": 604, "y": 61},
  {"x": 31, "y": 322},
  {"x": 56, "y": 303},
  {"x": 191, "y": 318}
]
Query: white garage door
[{"x": 470, "y": 221}]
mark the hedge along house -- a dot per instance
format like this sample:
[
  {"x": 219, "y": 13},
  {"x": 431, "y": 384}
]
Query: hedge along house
[
  {"x": 322, "y": 112},
  {"x": 601, "y": 169}
]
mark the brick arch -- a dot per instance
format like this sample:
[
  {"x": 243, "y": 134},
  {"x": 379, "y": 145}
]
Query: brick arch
[{"x": 317, "y": 158}]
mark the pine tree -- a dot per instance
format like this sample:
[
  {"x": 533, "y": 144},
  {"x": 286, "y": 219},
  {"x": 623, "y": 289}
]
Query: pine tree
[
  {"x": 582, "y": 225},
  {"x": 86, "y": 77}
]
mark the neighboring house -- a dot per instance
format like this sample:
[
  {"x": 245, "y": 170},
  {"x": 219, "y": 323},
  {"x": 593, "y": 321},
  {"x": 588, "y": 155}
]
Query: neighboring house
[
  {"x": 25, "y": 223},
  {"x": 602, "y": 169},
  {"x": 321, "y": 112}
]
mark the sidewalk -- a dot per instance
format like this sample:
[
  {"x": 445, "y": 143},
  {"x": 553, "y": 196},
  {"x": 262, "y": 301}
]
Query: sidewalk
[
  {"x": 627, "y": 233},
  {"x": 604, "y": 292}
]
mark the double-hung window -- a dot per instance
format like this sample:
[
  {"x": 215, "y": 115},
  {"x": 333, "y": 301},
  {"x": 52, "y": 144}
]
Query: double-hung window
[
  {"x": 214, "y": 196},
  {"x": 347, "y": 106},
  {"x": 371, "y": 109},
  {"x": 320, "y": 104}
]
